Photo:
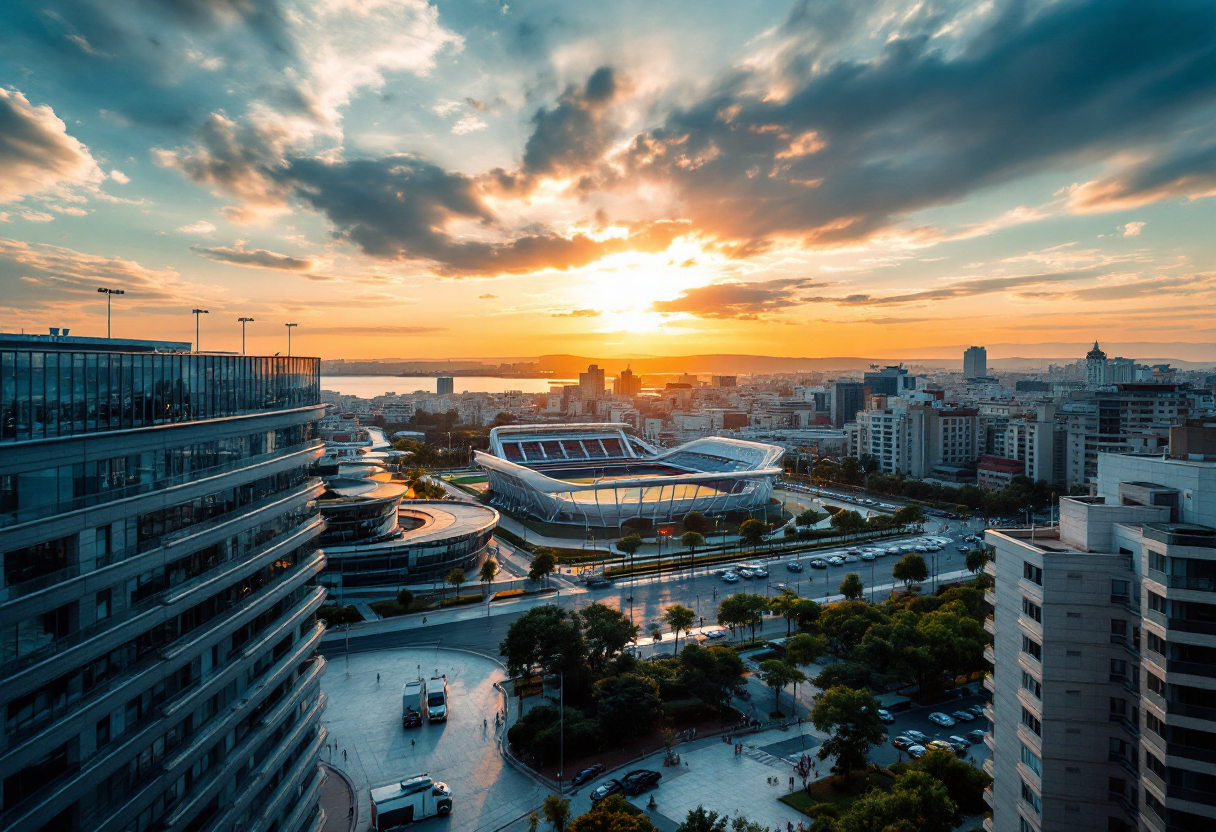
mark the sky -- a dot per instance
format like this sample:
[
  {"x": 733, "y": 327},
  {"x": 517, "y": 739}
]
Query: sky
[{"x": 669, "y": 177}]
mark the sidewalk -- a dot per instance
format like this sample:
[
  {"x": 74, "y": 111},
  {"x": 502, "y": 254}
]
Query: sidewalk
[{"x": 338, "y": 801}]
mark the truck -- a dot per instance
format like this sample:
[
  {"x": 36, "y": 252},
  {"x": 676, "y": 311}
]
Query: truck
[
  {"x": 411, "y": 799},
  {"x": 413, "y": 700},
  {"x": 437, "y": 699}
]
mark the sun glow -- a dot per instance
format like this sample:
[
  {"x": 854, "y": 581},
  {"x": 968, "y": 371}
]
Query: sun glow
[{"x": 624, "y": 287}]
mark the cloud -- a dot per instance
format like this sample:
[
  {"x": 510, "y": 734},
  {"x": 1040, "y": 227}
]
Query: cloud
[
  {"x": 1133, "y": 229},
  {"x": 37, "y": 216},
  {"x": 577, "y": 313},
  {"x": 374, "y": 330},
  {"x": 200, "y": 227},
  {"x": 120, "y": 177},
  {"x": 951, "y": 290},
  {"x": 745, "y": 301},
  {"x": 36, "y": 153},
  {"x": 257, "y": 258},
  {"x": 1160, "y": 286},
  {"x": 487, "y": 296},
  {"x": 1188, "y": 173},
  {"x": 468, "y": 124}
]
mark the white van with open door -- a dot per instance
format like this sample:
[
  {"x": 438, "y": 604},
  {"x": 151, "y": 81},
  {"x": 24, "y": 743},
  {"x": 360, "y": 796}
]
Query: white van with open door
[
  {"x": 412, "y": 799},
  {"x": 437, "y": 699}
]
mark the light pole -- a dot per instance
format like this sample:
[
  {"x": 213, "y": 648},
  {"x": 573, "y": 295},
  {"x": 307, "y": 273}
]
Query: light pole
[
  {"x": 196, "y": 313},
  {"x": 289, "y": 328},
  {"x": 109, "y": 293},
  {"x": 243, "y": 322}
]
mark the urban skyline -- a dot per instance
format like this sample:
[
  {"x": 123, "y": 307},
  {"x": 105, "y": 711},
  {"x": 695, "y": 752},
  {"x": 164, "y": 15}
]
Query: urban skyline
[{"x": 392, "y": 176}]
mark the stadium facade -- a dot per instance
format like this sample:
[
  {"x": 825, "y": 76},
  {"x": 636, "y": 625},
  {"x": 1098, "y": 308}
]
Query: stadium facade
[{"x": 601, "y": 475}]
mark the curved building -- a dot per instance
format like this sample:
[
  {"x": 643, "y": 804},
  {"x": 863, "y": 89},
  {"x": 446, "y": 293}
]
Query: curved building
[
  {"x": 158, "y": 538},
  {"x": 601, "y": 475},
  {"x": 374, "y": 539}
]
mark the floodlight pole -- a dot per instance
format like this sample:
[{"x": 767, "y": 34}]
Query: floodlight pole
[
  {"x": 196, "y": 313},
  {"x": 289, "y": 328},
  {"x": 109, "y": 293},
  {"x": 243, "y": 322}
]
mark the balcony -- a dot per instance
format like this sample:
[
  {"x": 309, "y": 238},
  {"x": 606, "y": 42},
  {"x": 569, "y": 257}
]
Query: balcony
[
  {"x": 988, "y": 713},
  {"x": 989, "y": 655},
  {"x": 1179, "y": 534},
  {"x": 989, "y": 767},
  {"x": 988, "y": 798},
  {"x": 990, "y": 597},
  {"x": 989, "y": 683},
  {"x": 990, "y": 741},
  {"x": 990, "y": 625},
  {"x": 988, "y": 823}
]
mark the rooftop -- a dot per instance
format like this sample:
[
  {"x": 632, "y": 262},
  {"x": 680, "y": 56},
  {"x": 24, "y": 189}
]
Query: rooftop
[{"x": 63, "y": 342}]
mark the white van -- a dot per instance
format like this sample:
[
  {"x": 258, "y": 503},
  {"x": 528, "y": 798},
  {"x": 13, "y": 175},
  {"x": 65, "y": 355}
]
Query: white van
[
  {"x": 437, "y": 699},
  {"x": 414, "y": 798},
  {"x": 413, "y": 700}
]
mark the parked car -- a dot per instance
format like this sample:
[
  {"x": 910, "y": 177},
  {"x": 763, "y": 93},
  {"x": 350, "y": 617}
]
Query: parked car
[
  {"x": 836, "y": 560},
  {"x": 976, "y": 736},
  {"x": 794, "y": 566},
  {"x": 759, "y": 572},
  {"x": 730, "y": 578},
  {"x": 743, "y": 693},
  {"x": 606, "y": 790},
  {"x": 639, "y": 780},
  {"x": 716, "y": 634},
  {"x": 916, "y": 751},
  {"x": 745, "y": 573},
  {"x": 598, "y": 583},
  {"x": 902, "y": 742},
  {"x": 939, "y": 718},
  {"x": 978, "y": 710},
  {"x": 885, "y": 716},
  {"x": 916, "y": 736},
  {"x": 850, "y": 558},
  {"x": 780, "y": 585},
  {"x": 819, "y": 563},
  {"x": 963, "y": 716},
  {"x": 867, "y": 556},
  {"x": 588, "y": 774},
  {"x": 955, "y": 739}
]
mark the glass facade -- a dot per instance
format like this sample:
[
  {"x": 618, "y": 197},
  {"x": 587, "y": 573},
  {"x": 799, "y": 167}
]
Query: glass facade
[{"x": 50, "y": 394}]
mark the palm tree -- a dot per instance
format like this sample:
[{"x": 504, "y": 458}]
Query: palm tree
[
  {"x": 456, "y": 577},
  {"x": 679, "y": 617},
  {"x": 488, "y": 570},
  {"x": 691, "y": 541}
]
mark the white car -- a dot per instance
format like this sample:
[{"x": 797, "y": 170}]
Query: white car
[
  {"x": 939, "y": 718},
  {"x": 850, "y": 558},
  {"x": 745, "y": 573},
  {"x": 885, "y": 716},
  {"x": 867, "y": 556},
  {"x": 759, "y": 572},
  {"x": 836, "y": 560},
  {"x": 731, "y": 578}
]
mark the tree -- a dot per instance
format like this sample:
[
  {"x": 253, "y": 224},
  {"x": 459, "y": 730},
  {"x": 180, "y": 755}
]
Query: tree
[
  {"x": 699, "y": 820},
  {"x": 742, "y": 609},
  {"x": 556, "y": 812},
  {"x": 846, "y": 624},
  {"x": 851, "y": 717},
  {"x": 405, "y": 598},
  {"x": 777, "y": 674},
  {"x": 679, "y": 617},
  {"x": 850, "y": 470},
  {"x": 455, "y": 577},
  {"x": 486, "y": 574},
  {"x": 627, "y": 705},
  {"x": 964, "y": 783},
  {"x": 910, "y": 568},
  {"x": 785, "y": 604},
  {"x": 606, "y": 632},
  {"x": 851, "y": 587},
  {"x": 806, "y": 613},
  {"x": 804, "y": 649},
  {"x": 963, "y": 511},
  {"x": 533, "y": 821},
  {"x": 916, "y": 803},
  {"x": 825, "y": 471},
  {"x": 810, "y": 517},
  {"x": 848, "y": 523},
  {"x": 976, "y": 559},
  {"x": 691, "y": 540},
  {"x": 629, "y": 545},
  {"x": 544, "y": 562},
  {"x": 752, "y": 532},
  {"x": 547, "y": 638},
  {"x": 695, "y": 521},
  {"x": 909, "y": 516},
  {"x": 612, "y": 814}
]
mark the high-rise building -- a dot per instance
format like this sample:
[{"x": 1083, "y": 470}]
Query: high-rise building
[
  {"x": 445, "y": 386},
  {"x": 158, "y": 608},
  {"x": 724, "y": 381},
  {"x": 848, "y": 397},
  {"x": 1096, "y": 369},
  {"x": 1104, "y": 655},
  {"x": 627, "y": 384},
  {"x": 890, "y": 381},
  {"x": 975, "y": 362},
  {"x": 591, "y": 383}
]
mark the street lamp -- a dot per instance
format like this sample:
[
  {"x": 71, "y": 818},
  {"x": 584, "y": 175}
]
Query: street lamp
[
  {"x": 196, "y": 313},
  {"x": 243, "y": 322},
  {"x": 109, "y": 293},
  {"x": 289, "y": 328}
]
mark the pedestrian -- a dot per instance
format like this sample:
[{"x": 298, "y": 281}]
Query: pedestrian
[
  {"x": 789, "y": 826},
  {"x": 424, "y": 619},
  {"x": 377, "y": 678},
  {"x": 411, "y": 743},
  {"x": 484, "y": 725},
  {"x": 791, "y": 782},
  {"x": 344, "y": 755}
]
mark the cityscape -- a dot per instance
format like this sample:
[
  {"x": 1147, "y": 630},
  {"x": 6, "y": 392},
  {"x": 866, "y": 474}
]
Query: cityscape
[{"x": 547, "y": 417}]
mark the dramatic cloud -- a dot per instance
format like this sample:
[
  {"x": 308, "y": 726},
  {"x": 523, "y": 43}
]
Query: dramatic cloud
[
  {"x": 257, "y": 258},
  {"x": 575, "y": 132},
  {"x": 1189, "y": 174},
  {"x": 36, "y": 153},
  {"x": 200, "y": 227},
  {"x": 951, "y": 290},
  {"x": 577, "y": 313},
  {"x": 747, "y": 301},
  {"x": 1133, "y": 229}
]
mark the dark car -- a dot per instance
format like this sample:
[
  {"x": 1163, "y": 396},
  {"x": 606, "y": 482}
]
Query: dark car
[
  {"x": 639, "y": 780},
  {"x": 411, "y": 719},
  {"x": 589, "y": 773},
  {"x": 978, "y": 710},
  {"x": 607, "y": 790},
  {"x": 902, "y": 742},
  {"x": 794, "y": 566},
  {"x": 598, "y": 583},
  {"x": 976, "y": 736}
]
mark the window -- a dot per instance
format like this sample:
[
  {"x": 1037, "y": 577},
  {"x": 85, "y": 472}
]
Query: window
[
  {"x": 1156, "y": 603},
  {"x": 1154, "y": 765},
  {"x": 1118, "y": 707},
  {"x": 1116, "y": 786},
  {"x": 1156, "y": 561},
  {"x": 1118, "y": 670},
  {"x": 1032, "y": 610},
  {"x": 1033, "y": 648},
  {"x": 1032, "y": 684},
  {"x": 1118, "y": 627},
  {"x": 1032, "y": 722},
  {"x": 1120, "y": 591},
  {"x": 1032, "y": 761},
  {"x": 1153, "y": 724},
  {"x": 1154, "y": 804},
  {"x": 1074, "y": 615},
  {"x": 1024, "y": 825},
  {"x": 1032, "y": 799},
  {"x": 1033, "y": 573},
  {"x": 1155, "y": 684},
  {"x": 1156, "y": 644}
]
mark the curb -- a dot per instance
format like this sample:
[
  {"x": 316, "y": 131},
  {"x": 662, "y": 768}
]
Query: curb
[{"x": 354, "y": 794}]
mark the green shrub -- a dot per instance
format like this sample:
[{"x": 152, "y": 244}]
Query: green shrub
[
  {"x": 335, "y": 614},
  {"x": 460, "y": 600},
  {"x": 681, "y": 711},
  {"x": 387, "y": 609},
  {"x": 405, "y": 598}
]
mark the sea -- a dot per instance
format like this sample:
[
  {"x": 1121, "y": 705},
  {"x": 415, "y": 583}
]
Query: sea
[{"x": 367, "y": 387}]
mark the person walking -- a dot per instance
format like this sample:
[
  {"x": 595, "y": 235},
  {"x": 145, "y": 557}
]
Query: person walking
[{"x": 377, "y": 678}]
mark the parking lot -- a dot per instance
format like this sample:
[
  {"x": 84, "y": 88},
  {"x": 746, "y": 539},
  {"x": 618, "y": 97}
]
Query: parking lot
[{"x": 918, "y": 719}]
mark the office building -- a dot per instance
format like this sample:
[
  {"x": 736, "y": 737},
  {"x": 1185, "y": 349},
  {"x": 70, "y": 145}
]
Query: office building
[
  {"x": 627, "y": 384},
  {"x": 1104, "y": 655},
  {"x": 975, "y": 362},
  {"x": 158, "y": 533},
  {"x": 444, "y": 386},
  {"x": 591, "y": 383},
  {"x": 920, "y": 441},
  {"x": 1096, "y": 369},
  {"x": 889, "y": 381},
  {"x": 848, "y": 397},
  {"x": 724, "y": 381}
]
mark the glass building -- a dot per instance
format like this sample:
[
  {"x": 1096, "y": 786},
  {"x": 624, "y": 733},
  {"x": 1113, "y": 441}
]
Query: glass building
[{"x": 158, "y": 632}]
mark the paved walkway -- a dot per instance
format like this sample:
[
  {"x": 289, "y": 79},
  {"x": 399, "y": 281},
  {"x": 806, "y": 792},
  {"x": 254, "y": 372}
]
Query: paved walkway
[
  {"x": 338, "y": 801},
  {"x": 364, "y": 720}
]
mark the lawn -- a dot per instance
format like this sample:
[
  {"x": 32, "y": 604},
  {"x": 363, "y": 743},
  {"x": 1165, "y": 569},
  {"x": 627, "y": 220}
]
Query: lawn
[{"x": 823, "y": 791}]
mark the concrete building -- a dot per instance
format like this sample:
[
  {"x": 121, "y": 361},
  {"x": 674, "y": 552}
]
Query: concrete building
[
  {"x": 445, "y": 386},
  {"x": 994, "y": 473},
  {"x": 158, "y": 533},
  {"x": 591, "y": 383},
  {"x": 1096, "y": 369},
  {"x": 889, "y": 381},
  {"x": 975, "y": 362},
  {"x": 848, "y": 398},
  {"x": 1104, "y": 656},
  {"x": 1038, "y": 441},
  {"x": 627, "y": 384},
  {"x": 724, "y": 381}
]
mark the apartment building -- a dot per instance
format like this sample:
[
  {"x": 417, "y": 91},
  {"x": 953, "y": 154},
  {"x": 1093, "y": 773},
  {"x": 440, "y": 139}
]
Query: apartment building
[
  {"x": 1104, "y": 656},
  {"x": 157, "y": 614}
]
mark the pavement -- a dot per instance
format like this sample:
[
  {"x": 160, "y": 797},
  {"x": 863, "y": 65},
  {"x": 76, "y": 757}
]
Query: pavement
[
  {"x": 364, "y": 721},
  {"x": 338, "y": 801}
]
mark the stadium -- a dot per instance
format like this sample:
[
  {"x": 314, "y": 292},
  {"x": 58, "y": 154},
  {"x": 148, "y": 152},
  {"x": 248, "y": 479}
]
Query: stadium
[{"x": 601, "y": 475}]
